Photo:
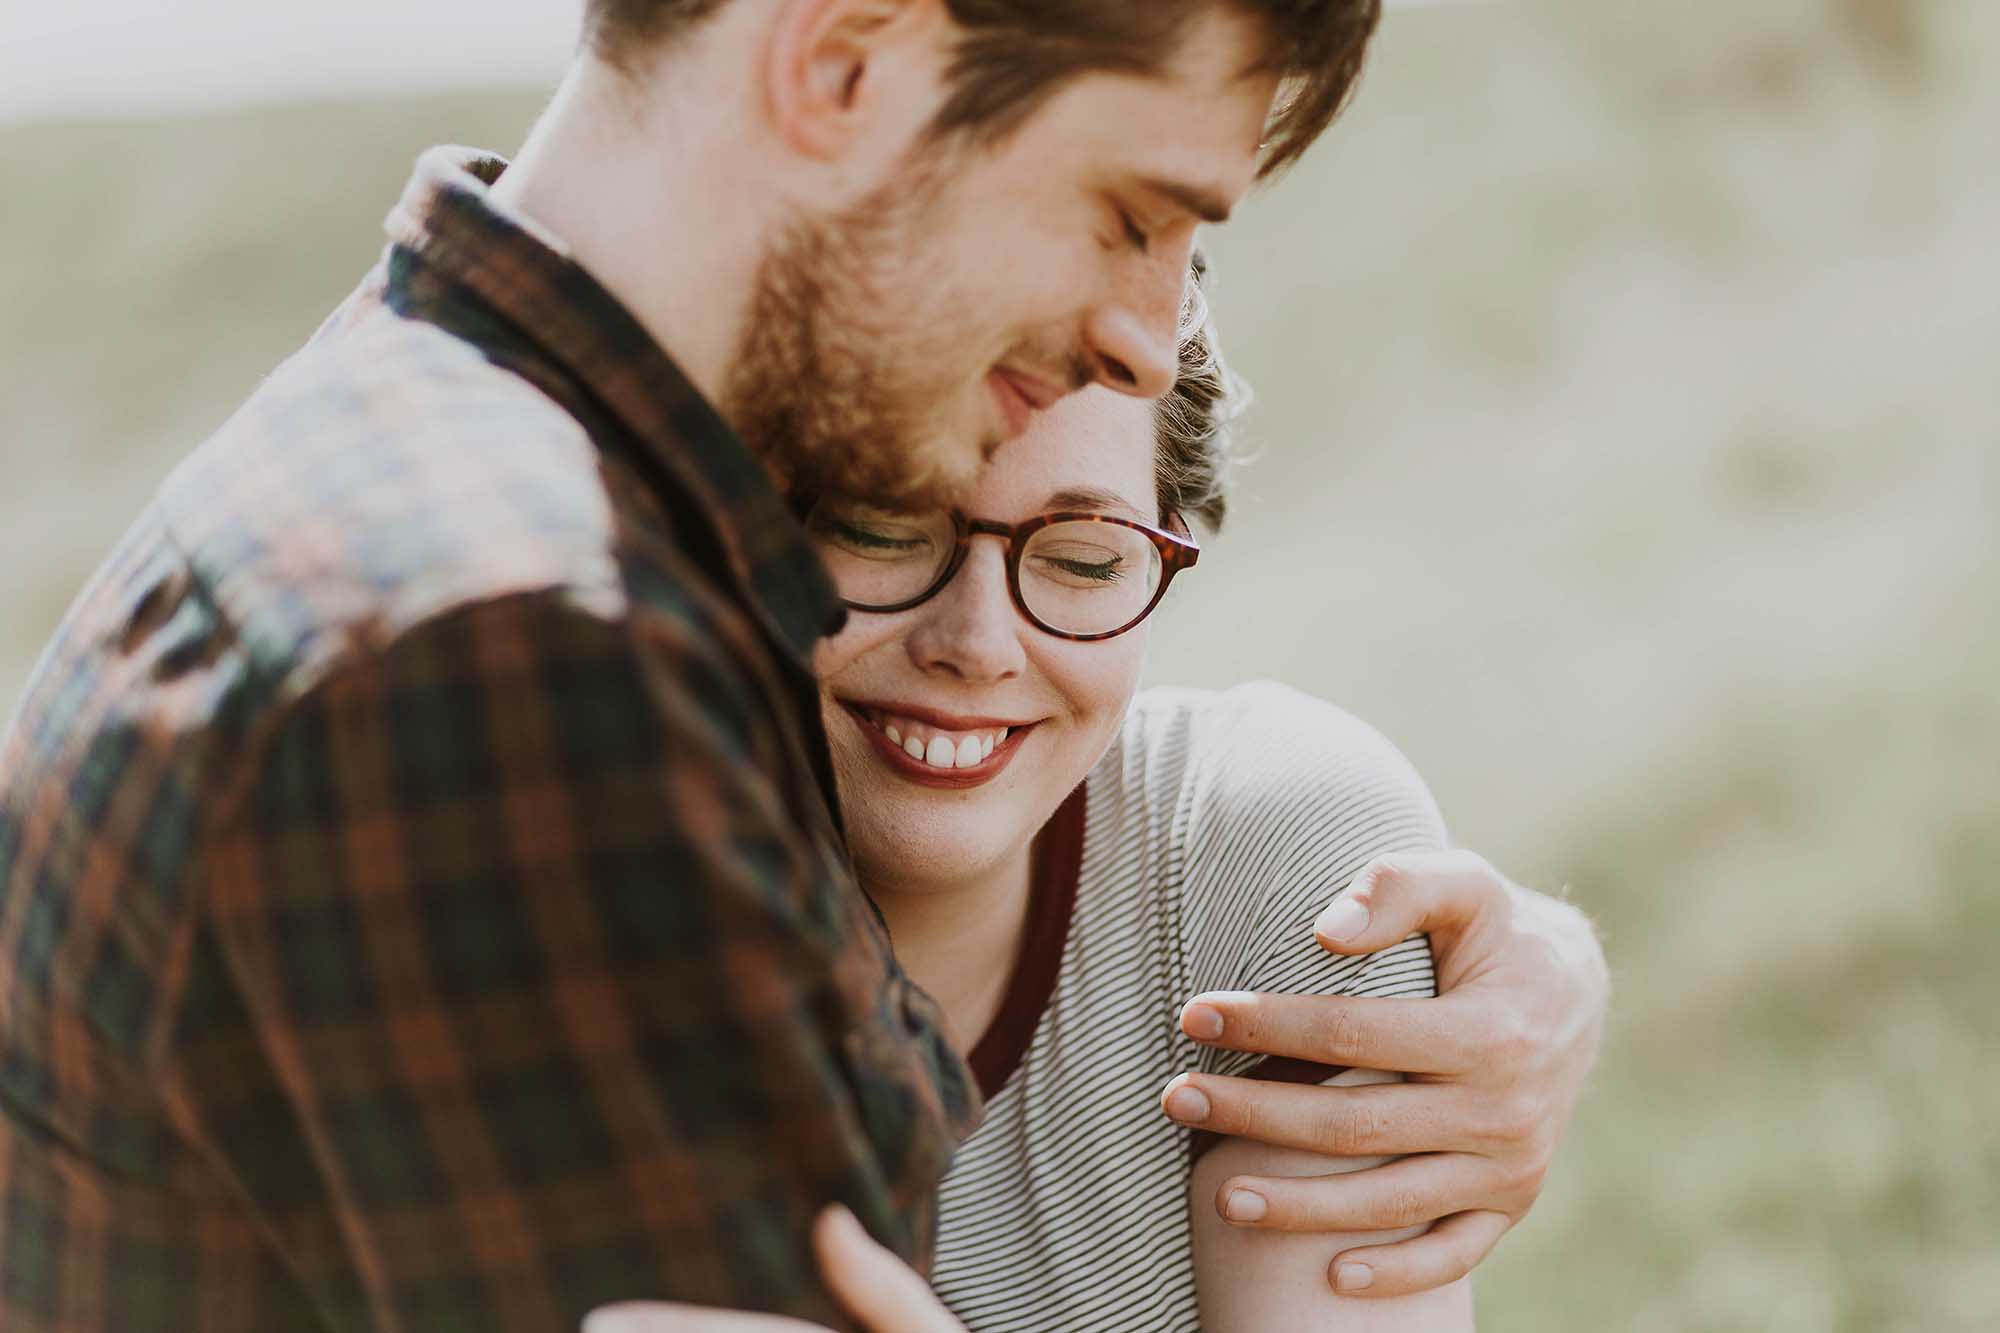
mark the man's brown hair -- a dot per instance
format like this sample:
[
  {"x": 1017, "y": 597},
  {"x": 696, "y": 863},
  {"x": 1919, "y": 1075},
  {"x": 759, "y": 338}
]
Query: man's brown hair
[{"x": 1014, "y": 54}]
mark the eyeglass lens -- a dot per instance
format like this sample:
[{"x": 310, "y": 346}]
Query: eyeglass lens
[{"x": 1074, "y": 577}]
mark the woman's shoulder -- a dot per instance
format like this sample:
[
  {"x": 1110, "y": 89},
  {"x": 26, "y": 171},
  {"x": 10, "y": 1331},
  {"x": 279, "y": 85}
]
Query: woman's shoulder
[
  {"x": 1283, "y": 799},
  {"x": 1261, "y": 758},
  {"x": 1262, "y": 705}
]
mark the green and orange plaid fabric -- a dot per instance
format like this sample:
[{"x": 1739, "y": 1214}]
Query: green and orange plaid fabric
[{"x": 422, "y": 904}]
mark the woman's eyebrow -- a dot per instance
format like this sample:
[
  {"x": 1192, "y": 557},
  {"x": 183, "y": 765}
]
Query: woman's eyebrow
[{"x": 1089, "y": 497}]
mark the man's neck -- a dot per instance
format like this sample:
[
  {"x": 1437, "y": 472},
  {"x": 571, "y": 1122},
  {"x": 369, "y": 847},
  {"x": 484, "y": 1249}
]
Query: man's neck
[
  {"x": 651, "y": 199},
  {"x": 960, "y": 941}
]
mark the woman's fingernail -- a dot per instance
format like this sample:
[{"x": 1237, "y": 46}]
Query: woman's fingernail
[
  {"x": 1187, "y": 1105},
  {"x": 1353, "y": 1277},
  {"x": 1201, "y": 1022},
  {"x": 1244, "y": 1206},
  {"x": 1342, "y": 920}
]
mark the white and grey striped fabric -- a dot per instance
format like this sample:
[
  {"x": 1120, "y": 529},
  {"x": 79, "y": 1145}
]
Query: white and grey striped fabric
[{"x": 1216, "y": 829}]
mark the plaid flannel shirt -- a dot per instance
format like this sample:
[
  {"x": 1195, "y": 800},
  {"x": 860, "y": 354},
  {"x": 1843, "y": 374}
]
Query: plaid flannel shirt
[{"x": 422, "y": 905}]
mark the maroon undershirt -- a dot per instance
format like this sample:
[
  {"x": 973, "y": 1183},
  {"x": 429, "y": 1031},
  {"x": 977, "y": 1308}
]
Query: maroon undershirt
[{"x": 1057, "y": 864}]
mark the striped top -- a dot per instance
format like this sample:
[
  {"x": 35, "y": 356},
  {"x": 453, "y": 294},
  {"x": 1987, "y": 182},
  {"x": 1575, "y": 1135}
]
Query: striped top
[{"x": 1195, "y": 857}]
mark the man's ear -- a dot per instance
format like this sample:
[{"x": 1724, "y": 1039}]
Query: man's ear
[{"x": 828, "y": 61}]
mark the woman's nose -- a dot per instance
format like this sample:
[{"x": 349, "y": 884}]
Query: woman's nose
[{"x": 970, "y": 629}]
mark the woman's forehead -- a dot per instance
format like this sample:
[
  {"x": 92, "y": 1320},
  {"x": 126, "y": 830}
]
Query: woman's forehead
[{"x": 1094, "y": 442}]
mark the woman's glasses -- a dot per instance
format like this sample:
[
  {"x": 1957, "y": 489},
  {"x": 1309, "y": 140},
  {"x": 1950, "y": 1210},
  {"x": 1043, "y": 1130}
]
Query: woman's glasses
[{"x": 1076, "y": 576}]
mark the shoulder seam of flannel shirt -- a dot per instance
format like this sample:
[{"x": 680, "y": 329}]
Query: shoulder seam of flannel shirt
[
  {"x": 370, "y": 656},
  {"x": 159, "y": 1043},
  {"x": 229, "y": 804}
]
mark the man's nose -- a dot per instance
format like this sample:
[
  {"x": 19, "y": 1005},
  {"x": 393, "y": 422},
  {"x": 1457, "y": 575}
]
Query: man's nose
[
  {"x": 1132, "y": 337},
  {"x": 970, "y": 629}
]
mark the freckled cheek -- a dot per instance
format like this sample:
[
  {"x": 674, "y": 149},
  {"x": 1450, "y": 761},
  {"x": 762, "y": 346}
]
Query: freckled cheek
[
  {"x": 832, "y": 655},
  {"x": 863, "y": 634},
  {"x": 836, "y": 662},
  {"x": 1098, "y": 680}
]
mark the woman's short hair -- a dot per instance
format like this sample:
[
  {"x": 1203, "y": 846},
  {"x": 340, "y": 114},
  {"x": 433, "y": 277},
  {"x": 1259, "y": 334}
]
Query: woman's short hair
[{"x": 1192, "y": 423}]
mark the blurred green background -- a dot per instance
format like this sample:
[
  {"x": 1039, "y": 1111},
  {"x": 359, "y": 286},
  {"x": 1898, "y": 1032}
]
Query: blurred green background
[{"x": 1628, "y": 448}]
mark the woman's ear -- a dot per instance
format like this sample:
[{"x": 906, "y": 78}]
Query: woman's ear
[{"x": 829, "y": 65}]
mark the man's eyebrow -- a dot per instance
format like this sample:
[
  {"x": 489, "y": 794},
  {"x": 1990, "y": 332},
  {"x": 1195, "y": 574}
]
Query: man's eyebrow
[
  {"x": 1089, "y": 497},
  {"x": 1207, "y": 204}
]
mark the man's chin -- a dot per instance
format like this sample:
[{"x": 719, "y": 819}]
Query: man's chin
[
  {"x": 919, "y": 479},
  {"x": 883, "y": 462},
  {"x": 952, "y": 470}
]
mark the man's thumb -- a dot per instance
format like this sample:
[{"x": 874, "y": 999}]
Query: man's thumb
[{"x": 1398, "y": 895}]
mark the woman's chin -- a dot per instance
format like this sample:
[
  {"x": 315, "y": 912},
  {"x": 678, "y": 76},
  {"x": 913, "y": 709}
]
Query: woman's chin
[{"x": 924, "y": 856}]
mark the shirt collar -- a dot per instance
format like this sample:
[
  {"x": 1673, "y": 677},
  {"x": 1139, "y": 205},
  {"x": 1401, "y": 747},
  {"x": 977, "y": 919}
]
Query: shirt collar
[{"x": 448, "y": 220}]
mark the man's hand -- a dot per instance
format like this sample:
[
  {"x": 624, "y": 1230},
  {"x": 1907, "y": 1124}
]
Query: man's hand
[
  {"x": 1495, "y": 1064},
  {"x": 882, "y": 1293}
]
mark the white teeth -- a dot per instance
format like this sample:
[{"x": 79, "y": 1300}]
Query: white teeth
[{"x": 943, "y": 751}]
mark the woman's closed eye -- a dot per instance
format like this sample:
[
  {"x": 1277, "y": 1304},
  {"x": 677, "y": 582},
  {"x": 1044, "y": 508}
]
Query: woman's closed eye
[
  {"x": 882, "y": 540},
  {"x": 1081, "y": 566}
]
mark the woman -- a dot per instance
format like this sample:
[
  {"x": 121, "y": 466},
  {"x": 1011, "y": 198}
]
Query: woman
[{"x": 1060, "y": 860}]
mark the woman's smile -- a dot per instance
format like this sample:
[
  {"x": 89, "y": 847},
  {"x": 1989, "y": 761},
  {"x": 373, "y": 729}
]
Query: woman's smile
[
  {"x": 937, "y": 749},
  {"x": 928, "y": 705}
]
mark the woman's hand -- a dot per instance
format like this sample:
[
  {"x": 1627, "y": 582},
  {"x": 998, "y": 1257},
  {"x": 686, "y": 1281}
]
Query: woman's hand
[
  {"x": 883, "y": 1294},
  {"x": 1495, "y": 1064}
]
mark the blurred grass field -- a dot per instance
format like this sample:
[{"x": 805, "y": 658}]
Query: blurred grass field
[{"x": 1628, "y": 448}]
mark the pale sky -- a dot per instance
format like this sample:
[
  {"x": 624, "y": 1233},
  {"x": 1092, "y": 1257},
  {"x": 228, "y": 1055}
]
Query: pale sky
[
  {"x": 101, "y": 57},
  {"x": 122, "y": 57}
]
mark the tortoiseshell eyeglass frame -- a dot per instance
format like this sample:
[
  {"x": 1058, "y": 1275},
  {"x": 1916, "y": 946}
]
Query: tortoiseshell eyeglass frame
[{"x": 1178, "y": 551}]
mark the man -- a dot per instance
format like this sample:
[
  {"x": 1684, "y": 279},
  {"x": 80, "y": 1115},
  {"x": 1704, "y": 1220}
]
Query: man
[{"x": 421, "y": 900}]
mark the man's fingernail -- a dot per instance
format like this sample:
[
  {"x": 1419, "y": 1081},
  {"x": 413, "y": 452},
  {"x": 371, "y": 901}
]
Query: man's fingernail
[
  {"x": 1244, "y": 1206},
  {"x": 1353, "y": 1277},
  {"x": 1187, "y": 1105},
  {"x": 1342, "y": 920},
  {"x": 1201, "y": 1022}
]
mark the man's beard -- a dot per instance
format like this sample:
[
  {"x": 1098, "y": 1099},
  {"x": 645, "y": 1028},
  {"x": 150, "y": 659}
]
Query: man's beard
[{"x": 824, "y": 388}]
